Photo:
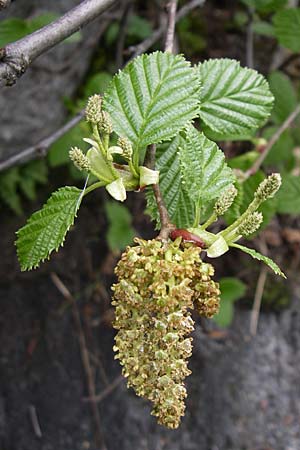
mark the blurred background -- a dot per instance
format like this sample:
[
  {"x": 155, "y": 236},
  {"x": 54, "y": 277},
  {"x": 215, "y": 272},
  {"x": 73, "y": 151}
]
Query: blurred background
[{"x": 244, "y": 393}]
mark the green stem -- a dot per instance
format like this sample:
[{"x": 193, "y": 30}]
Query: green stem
[
  {"x": 104, "y": 148},
  {"x": 233, "y": 227},
  {"x": 209, "y": 221},
  {"x": 94, "y": 186},
  {"x": 133, "y": 169},
  {"x": 106, "y": 142},
  {"x": 197, "y": 216},
  {"x": 98, "y": 140}
]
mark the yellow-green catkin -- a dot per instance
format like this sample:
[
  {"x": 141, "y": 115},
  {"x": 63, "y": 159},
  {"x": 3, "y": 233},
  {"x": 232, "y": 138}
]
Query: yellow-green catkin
[
  {"x": 206, "y": 292},
  {"x": 154, "y": 296}
]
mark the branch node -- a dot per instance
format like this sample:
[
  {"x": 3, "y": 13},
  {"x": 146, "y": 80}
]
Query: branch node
[
  {"x": 16, "y": 66},
  {"x": 4, "y": 4}
]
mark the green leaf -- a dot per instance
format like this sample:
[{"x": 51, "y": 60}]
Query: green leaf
[
  {"x": 192, "y": 172},
  {"x": 263, "y": 28},
  {"x": 59, "y": 151},
  {"x": 120, "y": 232},
  {"x": 46, "y": 229},
  {"x": 260, "y": 257},
  {"x": 11, "y": 30},
  {"x": 288, "y": 197},
  {"x": 9, "y": 181},
  {"x": 138, "y": 27},
  {"x": 282, "y": 150},
  {"x": 15, "y": 28},
  {"x": 287, "y": 28},
  {"x": 265, "y": 6},
  {"x": 285, "y": 96},
  {"x": 204, "y": 170},
  {"x": 235, "y": 101},
  {"x": 179, "y": 205},
  {"x": 243, "y": 161},
  {"x": 232, "y": 290},
  {"x": 97, "y": 83},
  {"x": 153, "y": 98},
  {"x": 41, "y": 20}
]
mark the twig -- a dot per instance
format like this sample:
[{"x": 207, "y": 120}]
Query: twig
[
  {"x": 20, "y": 54},
  {"x": 4, "y": 4},
  {"x": 45, "y": 144},
  {"x": 165, "y": 224},
  {"x": 122, "y": 33},
  {"x": 84, "y": 356},
  {"x": 258, "y": 292},
  {"x": 257, "y": 300},
  {"x": 35, "y": 421},
  {"x": 172, "y": 6},
  {"x": 157, "y": 34},
  {"x": 108, "y": 390},
  {"x": 250, "y": 40},
  {"x": 40, "y": 149},
  {"x": 286, "y": 124}
]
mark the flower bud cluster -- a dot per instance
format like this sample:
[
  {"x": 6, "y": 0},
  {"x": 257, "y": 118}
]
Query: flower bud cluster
[
  {"x": 126, "y": 146},
  {"x": 251, "y": 224},
  {"x": 95, "y": 115},
  {"x": 153, "y": 299},
  {"x": 93, "y": 111},
  {"x": 225, "y": 200},
  {"x": 268, "y": 187},
  {"x": 79, "y": 159}
]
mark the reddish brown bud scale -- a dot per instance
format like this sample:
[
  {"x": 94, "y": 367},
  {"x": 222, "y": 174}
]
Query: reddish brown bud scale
[{"x": 187, "y": 237}]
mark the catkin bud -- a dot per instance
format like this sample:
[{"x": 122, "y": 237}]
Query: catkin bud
[
  {"x": 225, "y": 201},
  {"x": 93, "y": 111},
  {"x": 126, "y": 146},
  {"x": 251, "y": 224},
  {"x": 268, "y": 187},
  {"x": 105, "y": 123},
  {"x": 157, "y": 284},
  {"x": 79, "y": 159}
]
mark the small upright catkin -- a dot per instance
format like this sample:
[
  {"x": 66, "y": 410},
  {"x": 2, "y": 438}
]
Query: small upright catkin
[{"x": 157, "y": 286}]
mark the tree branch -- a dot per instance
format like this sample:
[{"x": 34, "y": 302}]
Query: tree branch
[
  {"x": 165, "y": 223},
  {"x": 171, "y": 26},
  {"x": 286, "y": 124},
  {"x": 158, "y": 34},
  {"x": 4, "y": 4},
  {"x": 16, "y": 57},
  {"x": 40, "y": 149}
]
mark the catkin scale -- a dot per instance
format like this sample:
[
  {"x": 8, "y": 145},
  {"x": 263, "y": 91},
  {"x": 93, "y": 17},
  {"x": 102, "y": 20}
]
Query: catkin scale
[{"x": 158, "y": 284}]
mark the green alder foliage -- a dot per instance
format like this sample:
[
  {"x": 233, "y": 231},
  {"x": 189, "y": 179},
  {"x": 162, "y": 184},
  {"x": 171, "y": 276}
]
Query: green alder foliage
[
  {"x": 155, "y": 100},
  {"x": 46, "y": 229}
]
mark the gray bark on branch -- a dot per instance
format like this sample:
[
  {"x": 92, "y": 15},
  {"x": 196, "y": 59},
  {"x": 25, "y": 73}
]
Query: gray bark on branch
[
  {"x": 16, "y": 57},
  {"x": 4, "y": 4}
]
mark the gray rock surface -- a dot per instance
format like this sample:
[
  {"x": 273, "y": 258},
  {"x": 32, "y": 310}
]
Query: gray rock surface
[{"x": 33, "y": 108}]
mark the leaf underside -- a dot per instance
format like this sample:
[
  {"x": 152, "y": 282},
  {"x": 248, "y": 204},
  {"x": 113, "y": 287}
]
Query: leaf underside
[
  {"x": 260, "y": 257},
  {"x": 46, "y": 229},
  {"x": 153, "y": 98},
  {"x": 235, "y": 100}
]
